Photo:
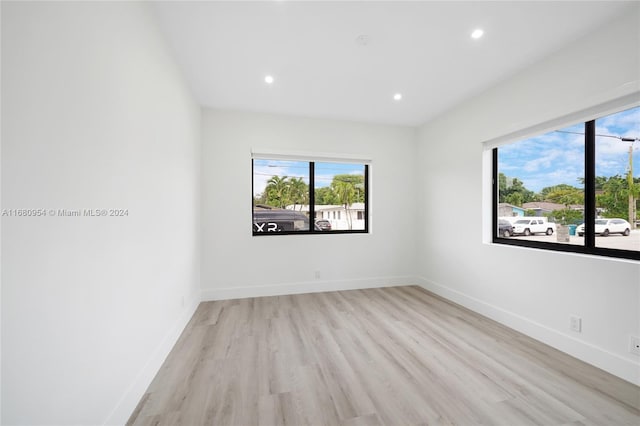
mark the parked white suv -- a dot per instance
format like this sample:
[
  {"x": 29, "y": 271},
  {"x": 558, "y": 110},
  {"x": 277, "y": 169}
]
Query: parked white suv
[
  {"x": 533, "y": 225},
  {"x": 605, "y": 227}
]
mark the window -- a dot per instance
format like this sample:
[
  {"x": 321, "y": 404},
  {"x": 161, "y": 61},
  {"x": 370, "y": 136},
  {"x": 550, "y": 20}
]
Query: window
[
  {"x": 573, "y": 189},
  {"x": 304, "y": 197}
]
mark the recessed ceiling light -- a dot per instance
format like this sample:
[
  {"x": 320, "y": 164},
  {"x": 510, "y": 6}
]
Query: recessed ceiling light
[
  {"x": 363, "y": 40},
  {"x": 477, "y": 33},
  {"x": 268, "y": 79},
  {"x": 397, "y": 96}
]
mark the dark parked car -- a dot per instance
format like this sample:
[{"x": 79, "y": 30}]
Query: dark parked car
[
  {"x": 323, "y": 224},
  {"x": 505, "y": 229},
  {"x": 267, "y": 219}
]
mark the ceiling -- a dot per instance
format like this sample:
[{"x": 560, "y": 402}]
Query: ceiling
[{"x": 322, "y": 68}]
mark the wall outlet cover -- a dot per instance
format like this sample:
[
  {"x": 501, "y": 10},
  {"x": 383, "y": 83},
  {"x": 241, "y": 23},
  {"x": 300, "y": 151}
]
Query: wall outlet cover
[
  {"x": 575, "y": 324},
  {"x": 634, "y": 345}
]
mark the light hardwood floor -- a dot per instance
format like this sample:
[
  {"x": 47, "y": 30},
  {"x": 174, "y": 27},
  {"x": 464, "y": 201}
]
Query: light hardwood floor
[{"x": 392, "y": 356}]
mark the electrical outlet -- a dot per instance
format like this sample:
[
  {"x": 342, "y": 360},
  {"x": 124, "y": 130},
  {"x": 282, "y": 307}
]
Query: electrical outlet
[
  {"x": 575, "y": 324},
  {"x": 634, "y": 345},
  {"x": 317, "y": 275}
]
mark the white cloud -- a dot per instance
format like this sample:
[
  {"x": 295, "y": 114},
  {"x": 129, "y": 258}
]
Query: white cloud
[
  {"x": 262, "y": 174},
  {"x": 323, "y": 180},
  {"x": 626, "y": 122},
  {"x": 263, "y": 170},
  {"x": 558, "y": 157}
]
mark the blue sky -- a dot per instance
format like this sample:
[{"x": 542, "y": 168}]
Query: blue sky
[
  {"x": 557, "y": 157},
  {"x": 263, "y": 170}
]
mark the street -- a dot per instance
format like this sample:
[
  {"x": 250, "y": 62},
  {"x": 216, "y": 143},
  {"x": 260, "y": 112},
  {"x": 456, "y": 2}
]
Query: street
[{"x": 614, "y": 241}]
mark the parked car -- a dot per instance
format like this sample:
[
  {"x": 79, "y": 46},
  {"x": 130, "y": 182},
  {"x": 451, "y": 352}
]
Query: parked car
[
  {"x": 267, "y": 219},
  {"x": 604, "y": 227},
  {"x": 323, "y": 225},
  {"x": 505, "y": 229},
  {"x": 533, "y": 225}
]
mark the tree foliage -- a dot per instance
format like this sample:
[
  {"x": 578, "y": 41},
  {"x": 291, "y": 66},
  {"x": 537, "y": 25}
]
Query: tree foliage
[
  {"x": 348, "y": 189},
  {"x": 567, "y": 216},
  {"x": 325, "y": 196},
  {"x": 612, "y": 196},
  {"x": 562, "y": 194},
  {"x": 513, "y": 191},
  {"x": 344, "y": 190},
  {"x": 283, "y": 191}
]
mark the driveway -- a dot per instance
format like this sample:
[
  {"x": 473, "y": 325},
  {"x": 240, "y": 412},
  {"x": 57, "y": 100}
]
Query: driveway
[{"x": 616, "y": 241}]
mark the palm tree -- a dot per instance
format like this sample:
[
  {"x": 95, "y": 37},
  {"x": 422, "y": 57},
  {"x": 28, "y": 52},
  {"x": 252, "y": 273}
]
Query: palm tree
[
  {"x": 298, "y": 192},
  {"x": 277, "y": 191},
  {"x": 346, "y": 193}
]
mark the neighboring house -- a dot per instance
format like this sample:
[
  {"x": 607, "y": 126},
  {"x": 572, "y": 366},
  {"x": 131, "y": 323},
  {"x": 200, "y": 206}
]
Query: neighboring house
[
  {"x": 337, "y": 215},
  {"x": 541, "y": 208},
  {"x": 509, "y": 210}
]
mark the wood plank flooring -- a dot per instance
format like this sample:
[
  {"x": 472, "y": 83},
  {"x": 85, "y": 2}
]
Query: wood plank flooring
[{"x": 391, "y": 356}]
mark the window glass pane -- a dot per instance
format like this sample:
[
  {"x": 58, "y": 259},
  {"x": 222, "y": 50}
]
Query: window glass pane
[
  {"x": 618, "y": 180},
  {"x": 340, "y": 196},
  {"x": 280, "y": 196},
  {"x": 541, "y": 187}
]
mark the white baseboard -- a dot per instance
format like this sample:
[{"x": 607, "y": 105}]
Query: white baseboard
[
  {"x": 303, "y": 287},
  {"x": 584, "y": 351},
  {"x": 140, "y": 384}
]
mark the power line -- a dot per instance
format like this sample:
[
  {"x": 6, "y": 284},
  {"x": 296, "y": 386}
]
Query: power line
[{"x": 623, "y": 139}]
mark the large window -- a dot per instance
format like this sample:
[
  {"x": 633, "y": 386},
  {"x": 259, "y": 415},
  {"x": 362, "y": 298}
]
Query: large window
[
  {"x": 573, "y": 189},
  {"x": 302, "y": 197}
]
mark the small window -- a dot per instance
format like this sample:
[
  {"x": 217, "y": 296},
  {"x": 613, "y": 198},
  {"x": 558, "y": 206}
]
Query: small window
[
  {"x": 577, "y": 184},
  {"x": 297, "y": 197}
]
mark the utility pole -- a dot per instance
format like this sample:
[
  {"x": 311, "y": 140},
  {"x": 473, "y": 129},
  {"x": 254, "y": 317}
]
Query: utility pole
[{"x": 632, "y": 215}]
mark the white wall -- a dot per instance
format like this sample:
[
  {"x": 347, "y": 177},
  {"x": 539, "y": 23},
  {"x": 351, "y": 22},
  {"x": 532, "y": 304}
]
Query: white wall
[
  {"x": 236, "y": 264},
  {"x": 530, "y": 290},
  {"x": 0, "y": 225},
  {"x": 94, "y": 115}
]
